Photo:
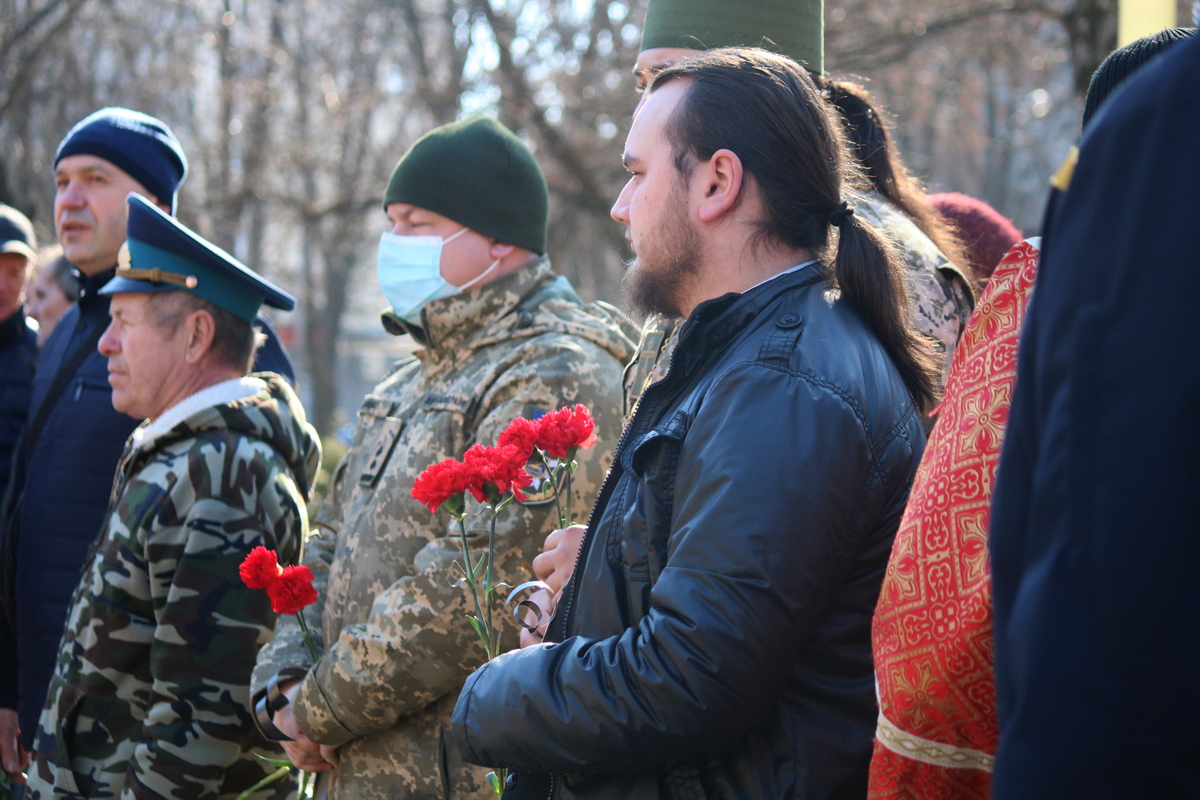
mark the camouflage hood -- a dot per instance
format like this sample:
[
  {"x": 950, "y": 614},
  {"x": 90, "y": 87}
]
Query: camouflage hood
[
  {"x": 529, "y": 302},
  {"x": 273, "y": 416}
]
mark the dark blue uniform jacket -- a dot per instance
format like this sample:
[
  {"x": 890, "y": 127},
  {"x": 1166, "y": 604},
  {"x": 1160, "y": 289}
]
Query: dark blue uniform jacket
[{"x": 1095, "y": 538}]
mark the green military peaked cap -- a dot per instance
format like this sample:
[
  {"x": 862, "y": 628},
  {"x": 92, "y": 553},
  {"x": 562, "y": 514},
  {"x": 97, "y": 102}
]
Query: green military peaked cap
[
  {"x": 794, "y": 28},
  {"x": 161, "y": 255}
]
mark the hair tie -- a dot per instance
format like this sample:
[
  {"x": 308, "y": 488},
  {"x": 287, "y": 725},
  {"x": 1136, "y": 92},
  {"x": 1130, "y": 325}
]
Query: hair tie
[{"x": 841, "y": 214}]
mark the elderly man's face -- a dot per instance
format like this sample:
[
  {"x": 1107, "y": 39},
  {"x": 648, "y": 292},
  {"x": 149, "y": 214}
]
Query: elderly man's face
[
  {"x": 90, "y": 212},
  {"x": 146, "y": 349},
  {"x": 14, "y": 270}
]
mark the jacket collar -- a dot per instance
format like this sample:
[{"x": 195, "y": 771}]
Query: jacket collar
[
  {"x": 90, "y": 286},
  {"x": 713, "y": 322},
  {"x": 453, "y": 321},
  {"x": 13, "y": 328}
]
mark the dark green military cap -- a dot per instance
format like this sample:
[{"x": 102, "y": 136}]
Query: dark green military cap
[
  {"x": 794, "y": 28},
  {"x": 479, "y": 174},
  {"x": 161, "y": 255}
]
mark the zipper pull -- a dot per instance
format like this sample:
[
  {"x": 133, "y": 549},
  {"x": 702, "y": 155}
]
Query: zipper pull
[{"x": 78, "y": 389}]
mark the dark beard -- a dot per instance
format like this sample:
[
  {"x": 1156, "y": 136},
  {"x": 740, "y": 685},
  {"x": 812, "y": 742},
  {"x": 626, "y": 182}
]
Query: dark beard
[{"x": 654, "y": 282}]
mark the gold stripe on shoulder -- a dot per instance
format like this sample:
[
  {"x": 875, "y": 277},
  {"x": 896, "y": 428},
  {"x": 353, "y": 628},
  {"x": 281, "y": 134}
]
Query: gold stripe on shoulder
[{"x": 1062, "y": 176}]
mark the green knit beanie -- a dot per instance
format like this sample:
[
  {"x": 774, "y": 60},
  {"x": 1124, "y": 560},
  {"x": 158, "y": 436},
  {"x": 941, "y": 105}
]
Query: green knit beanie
[
  {"x": 794, "y": 28},
  {"x": 477, "y": 173}
]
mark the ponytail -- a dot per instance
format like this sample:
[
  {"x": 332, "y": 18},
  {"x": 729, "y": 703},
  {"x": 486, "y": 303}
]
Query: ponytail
[
  {"x": 767, "y": 109},
  {"x": 870, "y": 277},
  {"x": 866, "y": 129}
]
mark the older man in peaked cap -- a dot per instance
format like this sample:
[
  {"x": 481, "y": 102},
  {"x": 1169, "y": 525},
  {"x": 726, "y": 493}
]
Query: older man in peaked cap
[
  {"x": 74, "y": 436},
  {"x": 150, "y": 694}
]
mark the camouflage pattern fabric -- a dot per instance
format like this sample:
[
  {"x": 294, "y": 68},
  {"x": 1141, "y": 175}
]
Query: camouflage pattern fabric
[
  {"x": 938, "y": 290},
  {"x": 397, "y": 644},
  {"x": 940, "y": 294},
  {"x": 150, "y": 695}
]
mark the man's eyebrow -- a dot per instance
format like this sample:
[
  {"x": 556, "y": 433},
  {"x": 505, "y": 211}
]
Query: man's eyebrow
[{"x": 630, "y": 161}]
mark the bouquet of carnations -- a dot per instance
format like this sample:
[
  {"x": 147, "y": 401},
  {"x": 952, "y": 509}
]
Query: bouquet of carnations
[{"x": 496, "y": 475}]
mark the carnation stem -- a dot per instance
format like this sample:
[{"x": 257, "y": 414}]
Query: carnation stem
[
  {"x": 488, "y": 587},
  {"x": 307, "y": 635},
  {"x": 267, "y": 781},
  {"x": 484, "y": 629}
]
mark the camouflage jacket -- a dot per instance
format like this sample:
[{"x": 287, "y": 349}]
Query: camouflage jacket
[
  {"x": 939, "y": 291},
  {"x": 940, "y": 294},
  {"x": 397, "y": 645},
  {"x": 150, "y": 697}
]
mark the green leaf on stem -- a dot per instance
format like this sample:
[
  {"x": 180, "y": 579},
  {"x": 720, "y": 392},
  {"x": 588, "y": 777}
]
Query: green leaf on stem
[{"x": 480, "y": 631}]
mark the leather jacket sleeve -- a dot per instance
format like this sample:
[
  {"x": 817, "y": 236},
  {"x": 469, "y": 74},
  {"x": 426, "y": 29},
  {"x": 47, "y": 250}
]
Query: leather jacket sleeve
[{"x": 778, "y": 495}]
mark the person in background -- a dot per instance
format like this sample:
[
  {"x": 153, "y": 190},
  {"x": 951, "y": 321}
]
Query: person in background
[
  {"x": 150, "y": 692},
  {"x": 715, "y": 638},
  {"x": 986, "y": 234},
  {"x": 18, "y": 353},
  {"x": 18, "y": 356},
  {"x": 73, "y": 438},
  {"x": 499, "y": 336},
  {"x": 1092, "y": 539},
  {"x": 52, "y": 290}
]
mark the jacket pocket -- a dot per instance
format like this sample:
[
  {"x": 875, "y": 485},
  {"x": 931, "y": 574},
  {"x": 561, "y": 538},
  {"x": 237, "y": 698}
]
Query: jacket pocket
[
  {"x": 80, "y": 386},
  {"x": 640, "y": 546},
  {"x": 65, "y": 701}
]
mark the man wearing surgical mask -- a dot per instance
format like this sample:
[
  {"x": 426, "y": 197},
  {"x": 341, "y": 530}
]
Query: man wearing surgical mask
[{"x": 462, "y": 263}]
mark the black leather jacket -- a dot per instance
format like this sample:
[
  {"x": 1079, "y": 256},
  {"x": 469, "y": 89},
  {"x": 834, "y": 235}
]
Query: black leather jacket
[{"x": 715, "y": 640}]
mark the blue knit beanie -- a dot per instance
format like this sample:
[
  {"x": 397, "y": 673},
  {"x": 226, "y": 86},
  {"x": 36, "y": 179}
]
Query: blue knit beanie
[{"x": 141, "y": 145}]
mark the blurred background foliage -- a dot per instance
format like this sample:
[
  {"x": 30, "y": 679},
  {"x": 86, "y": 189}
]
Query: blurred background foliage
[{"x": 293, "y": 112}]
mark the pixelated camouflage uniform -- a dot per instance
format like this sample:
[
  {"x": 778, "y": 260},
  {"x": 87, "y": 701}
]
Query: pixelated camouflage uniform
[
  {"x": 397, "y": 643},
  {"x": 150, "y": 697},
  {"x": 941, "y": 298}
]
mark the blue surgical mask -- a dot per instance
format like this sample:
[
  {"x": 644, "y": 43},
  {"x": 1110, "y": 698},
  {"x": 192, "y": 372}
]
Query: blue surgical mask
[{"x": 410, "y": 273}]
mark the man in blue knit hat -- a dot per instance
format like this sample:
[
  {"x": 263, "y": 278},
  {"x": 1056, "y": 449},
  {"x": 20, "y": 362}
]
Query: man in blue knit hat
[{"x": 73, "y": 438}]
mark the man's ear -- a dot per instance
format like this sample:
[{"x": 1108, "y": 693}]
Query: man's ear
[
  {"x": 500, "y": 249},
  {"x": 201, "y": 329},
  {"x": 719, "y": 182}
]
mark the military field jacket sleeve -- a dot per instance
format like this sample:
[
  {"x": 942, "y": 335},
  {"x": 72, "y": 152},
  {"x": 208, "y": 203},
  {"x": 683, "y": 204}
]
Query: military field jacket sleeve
[{"x": 394, "y": 625}]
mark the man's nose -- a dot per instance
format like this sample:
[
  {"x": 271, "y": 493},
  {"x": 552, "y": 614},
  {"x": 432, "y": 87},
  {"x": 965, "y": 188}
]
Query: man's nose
[
  {"x": 108, "y": 345},
  {"x": 620, "y": 209},
  {"x": 70, "y": 195}
]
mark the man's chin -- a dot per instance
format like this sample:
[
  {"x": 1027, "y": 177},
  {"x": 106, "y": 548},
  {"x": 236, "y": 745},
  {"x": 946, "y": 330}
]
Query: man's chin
[{"x": 649, "y": 292}]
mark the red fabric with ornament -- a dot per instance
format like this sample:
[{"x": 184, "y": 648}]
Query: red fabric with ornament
[{"x": 932, "y": 632}]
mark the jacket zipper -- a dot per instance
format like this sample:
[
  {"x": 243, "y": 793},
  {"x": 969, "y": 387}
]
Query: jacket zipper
[{"x": 606, "y": 490}]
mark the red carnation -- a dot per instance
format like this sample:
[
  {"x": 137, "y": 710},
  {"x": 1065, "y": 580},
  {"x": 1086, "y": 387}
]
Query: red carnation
[
  {"x": 561, "y": 432},
  {"x": 439, "y": 482},
  {"x": 260, "y": 569},
  {"x": 503, "y": 467},
  {"x": 522, "y": 434},
  {"x": 292, "y": 590}
]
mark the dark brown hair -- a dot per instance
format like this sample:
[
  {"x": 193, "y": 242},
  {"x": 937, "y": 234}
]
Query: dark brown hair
[
  {"x": 767, "y": 110},
  {"x": 867, "y": 130}
]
